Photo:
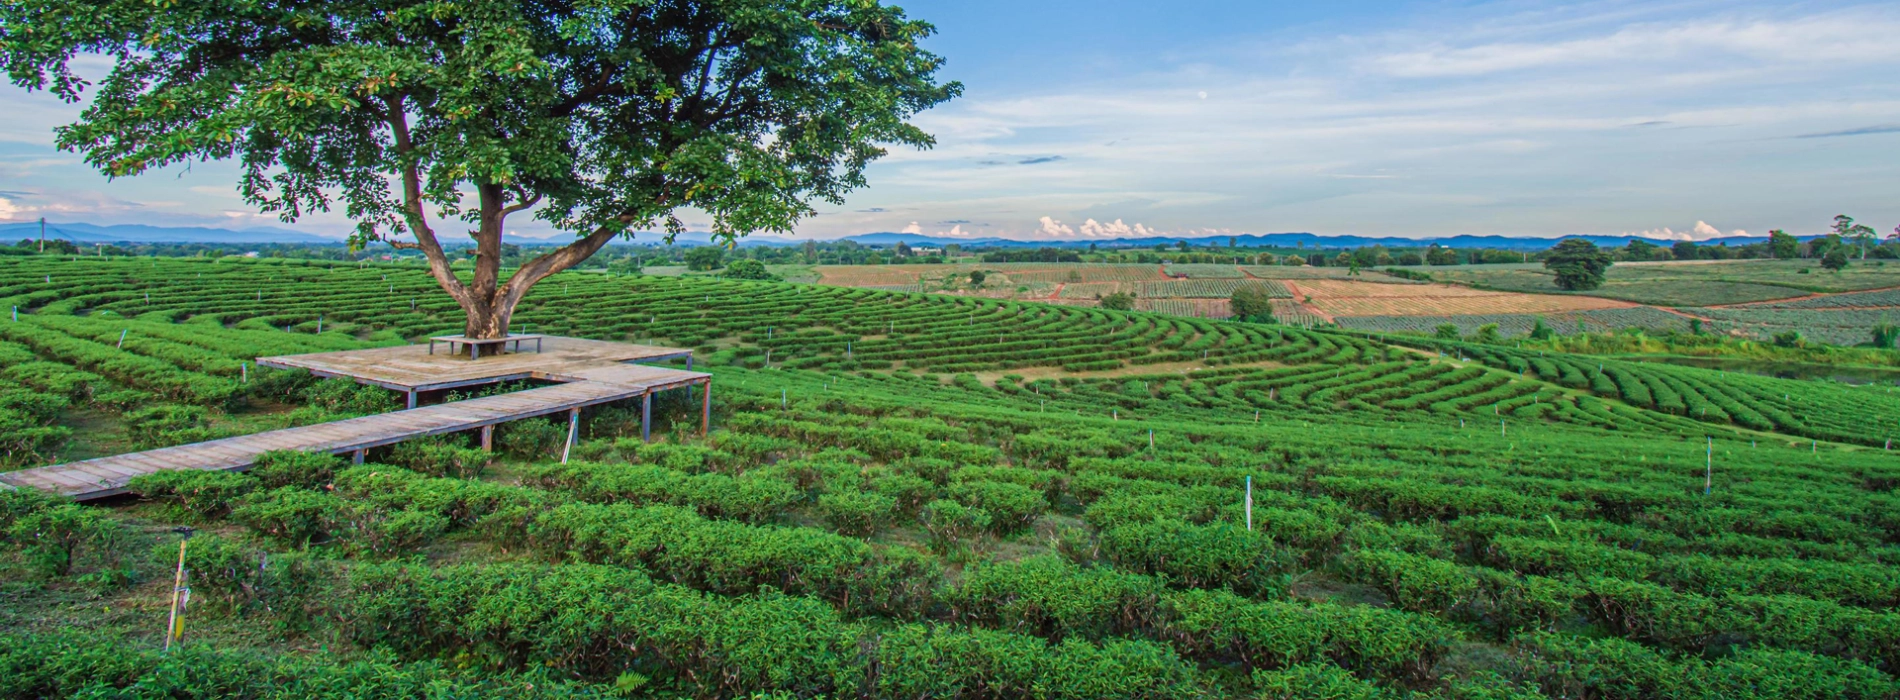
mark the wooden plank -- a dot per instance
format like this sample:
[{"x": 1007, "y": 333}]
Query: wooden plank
[{"x": 593, "y": 381}]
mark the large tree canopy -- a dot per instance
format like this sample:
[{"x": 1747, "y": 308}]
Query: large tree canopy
[
  {"x": 599, "y": 117},
  {"x": 1578, "y": 264}
]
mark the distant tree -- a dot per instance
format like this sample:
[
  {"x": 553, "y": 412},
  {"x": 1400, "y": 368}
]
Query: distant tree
[
  {"x": 705, "y": 257},
  {"x": 1411, "y": 258},
  {"x": 1788, "y": 339},
  {"x": 1091, "y": 246},
  {"x": 952, "y": 250},
  {"x": 1367, "y": 256},
  {"x": 811, "y": 252},
  {"x": 1784, "y": 246},
  {"x": 1440, "y": 255},
  {"x": 1578, "y": 264},
  {"x": 1445, "y": 331},
  {"x": 1885, "y": 334},
  {"x": 1846, "y": 230},
  {"x": 1251, "y": 302},
  {"x": 1835, "y": 259},
  {"x": 977, "y": 277},
  {"x": 1163, "y": 247},
  {"x": 1266, "y": 259},
  {"x": 600, "y": 118},
  {"x": 747, "y": 269},
  {"x": 1684, "y": 250},
  {"x": 903, "y": 250},
  {"x": 1292, "y": 260},
  {"x": 1539, "y": 331},
  {"x": 1487, "y": 333},
  {"x": 1119, "y": 301},
  {"x": 1183, "y": 245},
  {"x": 1233, "y": 242},
  {"x": 1639, "y": 249}
]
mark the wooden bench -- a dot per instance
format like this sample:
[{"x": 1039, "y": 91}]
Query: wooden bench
[{"x": 474, "y": 345}]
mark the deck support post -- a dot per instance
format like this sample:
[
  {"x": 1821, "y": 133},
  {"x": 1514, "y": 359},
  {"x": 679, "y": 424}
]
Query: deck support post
[
  {"x": 689, "y": 362},
  {"x": 705, "y": 409},
  {"x": 356, "y": 457},
  {"x": 488, "y": 438},
  {"x": 646, "y": 417},
  {"x": 573, "y": 432},
  {"x": 412, "y": 398}
]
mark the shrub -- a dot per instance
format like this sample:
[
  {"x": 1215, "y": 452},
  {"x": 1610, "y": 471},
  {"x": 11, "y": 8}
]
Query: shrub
[
  {"x": 531, "y": 437},
  {"x": 950, "y": 524},
  {"x": 1011, "y": 507},
  {"x": 164, "y": 425},
  {"x": 1199, "y": 556},
  {"x": 439, "y": 458},
  {"x": 57, "y": 539},
  {"x": 856, "y": 513},
  {"x": 280, "y": 468},
  {"x": 289, "y": 515},
  {"x": 204, "y": 494}
]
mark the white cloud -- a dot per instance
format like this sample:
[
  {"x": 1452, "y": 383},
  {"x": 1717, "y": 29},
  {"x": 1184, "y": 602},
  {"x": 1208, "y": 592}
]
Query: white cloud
[
  {"x": 913, "y": 228},
  {"x": 1093, "y": 229},
  {"x": 1701, "y": 232},
  {"x": 1055, "y": 229}
]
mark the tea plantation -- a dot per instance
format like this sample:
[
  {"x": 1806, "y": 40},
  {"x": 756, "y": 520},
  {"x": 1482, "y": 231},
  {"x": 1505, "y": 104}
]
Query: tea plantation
[{"x": 916, "y": 496}]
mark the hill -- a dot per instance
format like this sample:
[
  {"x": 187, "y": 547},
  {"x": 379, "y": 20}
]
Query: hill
[{"x": 918, "y": 495}]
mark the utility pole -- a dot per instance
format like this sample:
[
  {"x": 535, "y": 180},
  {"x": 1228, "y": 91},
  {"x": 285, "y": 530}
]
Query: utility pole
[{"x": 42, "y": 234}]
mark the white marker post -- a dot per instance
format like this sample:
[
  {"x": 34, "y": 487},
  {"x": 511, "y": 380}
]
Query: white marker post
[
  {"x": 1250, "y": 503},
  {"x": 122, "y": 333}
]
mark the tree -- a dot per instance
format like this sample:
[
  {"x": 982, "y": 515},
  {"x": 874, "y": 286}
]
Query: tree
[
  {"x": 1118, "y": 301},
  {"x": 705, "y": 257},
  {"x": 1639, "y": 249},
  {"x": 1251, "y": 302},
  {"x": 1487, "y": 333},
  {"x": 1539, "y": 331},
  {"x": 1183, "y": 245},
  {"x": 1885, "y": 334},
  {"x": 1835, "y": 259},
  {"x": 1783, "y": 246},
  {"x": 1440, "y": 255},
  {"x": 1578, "y": 264},
  {"x": 1684, "y": 250},
  {"x": 1445, "y": 331},
  {"x": 747, "y": 269},
  {"x": 977, "y": 277},
  {"x": 598, "y": 118},
  {"x": 1411, "y": 258},
  {"x": 903, "y": 250}
]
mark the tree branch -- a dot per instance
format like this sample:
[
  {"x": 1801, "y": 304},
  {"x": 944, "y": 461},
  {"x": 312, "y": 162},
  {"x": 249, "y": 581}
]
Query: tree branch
[{"x": 412, "y": 204}]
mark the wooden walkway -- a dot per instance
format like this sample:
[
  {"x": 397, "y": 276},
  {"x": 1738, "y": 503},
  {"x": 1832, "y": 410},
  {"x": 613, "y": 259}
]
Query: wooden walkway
[{"x": 585, "y": 386}]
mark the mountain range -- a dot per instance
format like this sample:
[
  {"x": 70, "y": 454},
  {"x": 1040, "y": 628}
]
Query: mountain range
[{"x": 85, "y": 233}]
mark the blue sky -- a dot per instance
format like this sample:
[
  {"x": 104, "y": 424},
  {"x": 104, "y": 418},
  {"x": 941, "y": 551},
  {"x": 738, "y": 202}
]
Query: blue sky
[{"x": 1084, "y": 120}]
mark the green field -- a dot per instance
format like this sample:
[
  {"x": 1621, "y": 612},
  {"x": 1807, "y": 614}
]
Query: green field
[
  {"x": 1689, "y": 284},
  {"x": 926, "y": 496}
]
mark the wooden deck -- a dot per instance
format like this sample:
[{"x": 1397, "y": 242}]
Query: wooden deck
[
  {"x": 412, "y": 368},
  {"x": 603, "y": 380}
]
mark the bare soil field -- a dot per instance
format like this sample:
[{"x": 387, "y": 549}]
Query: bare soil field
[{"x": 1355, "y": 298}]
